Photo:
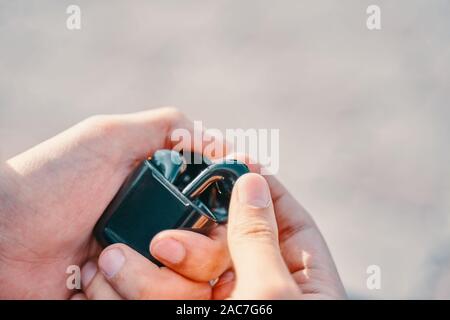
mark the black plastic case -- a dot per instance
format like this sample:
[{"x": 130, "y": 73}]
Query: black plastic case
[{"x": 148, "y": 203}]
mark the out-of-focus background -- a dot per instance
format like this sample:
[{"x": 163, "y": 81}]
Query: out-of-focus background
[{"x": 363, "y": 115}]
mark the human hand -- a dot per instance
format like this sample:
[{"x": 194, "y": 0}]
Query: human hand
[
  {"x": 276, "y": 248},
  {"x": 191, "y": 261},
  {"x": 52, "y": 195}
]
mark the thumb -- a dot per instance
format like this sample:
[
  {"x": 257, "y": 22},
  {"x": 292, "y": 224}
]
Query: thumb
[{"x": 253, "y": 242}]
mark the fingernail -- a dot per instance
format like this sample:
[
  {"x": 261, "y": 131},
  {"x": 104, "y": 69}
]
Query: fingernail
[
  {"x": 225, "y": 278},
  {"x": 111, "y": 261},
  {"x": 254, "y": 191},
  {"x": 87, "y": 273},
  {"x": 169, "y": 250}
]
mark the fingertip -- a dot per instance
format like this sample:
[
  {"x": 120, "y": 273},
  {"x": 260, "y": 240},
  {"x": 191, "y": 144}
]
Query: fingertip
[
  {"x": 111, "y": 260},
  {"x": 78, "y": 296},
  {"x": 203, "y": 258},
  {"x": 225, "y": 278},
  {"x": 253, "y": 190},
  {"x": 250, "y": 177},
  {"x": 88, "y": 272},
  {"x": 224, "y": 286},
  {"x": 167, "y": 249}
]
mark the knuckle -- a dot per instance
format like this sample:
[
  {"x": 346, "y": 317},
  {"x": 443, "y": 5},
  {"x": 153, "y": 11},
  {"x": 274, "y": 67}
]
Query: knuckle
[
  {"x": 104, "y": 124},
  {"x": 256, "y": 229},
  {"x": 173, "y": 113}
]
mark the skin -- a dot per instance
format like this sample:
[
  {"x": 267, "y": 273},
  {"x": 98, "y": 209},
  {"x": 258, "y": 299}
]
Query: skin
[
  {"x": 279, "y": 239},
  {"x": 52, "y": 195}
]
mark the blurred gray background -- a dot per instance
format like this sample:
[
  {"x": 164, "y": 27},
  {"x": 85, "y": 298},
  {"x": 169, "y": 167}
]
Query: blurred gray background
[{"x": 363, "y": 115}]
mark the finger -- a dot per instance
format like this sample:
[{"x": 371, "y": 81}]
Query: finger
[
  {"x": 78, "y": 296},
  {"x": 142, "y": 133},
  {"x": 291, "y": 217},
  {"x": 253, "y": 239},
  {"x": 135, "y": 277},
  {"x": 193, "y": 255},
  {"x": 291, "y": 213},
  {"x": 95, "y": 285},
  {"x": 224, "y": 286},
  {"x": 302, "y": 244}
]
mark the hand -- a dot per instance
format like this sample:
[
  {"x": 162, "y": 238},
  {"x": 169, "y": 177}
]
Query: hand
[
  {"x": 277, "y": 251},
  {"x": 191, "y": 261},
  {"x": 276, "y": 248},
  {"x": 52, "y": 195}
]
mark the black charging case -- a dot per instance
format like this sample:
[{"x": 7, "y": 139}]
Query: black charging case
[{"x": 147, "y": 203}]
